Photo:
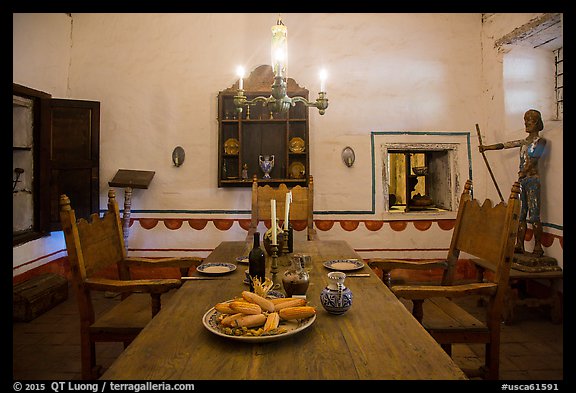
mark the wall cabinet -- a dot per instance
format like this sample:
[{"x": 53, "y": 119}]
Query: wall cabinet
[{"x": 244, "y": 137}]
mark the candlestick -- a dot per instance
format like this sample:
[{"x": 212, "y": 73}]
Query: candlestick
[
  {"x": 273, "y": 221},
  {"x": 274, "y": 267}
]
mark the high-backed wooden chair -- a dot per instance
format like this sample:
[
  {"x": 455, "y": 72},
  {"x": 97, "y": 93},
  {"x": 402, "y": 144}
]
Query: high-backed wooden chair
[
  {"x": 92, "y": 248},
  {"x": 301, "y": 209},
  {"x": 484, "y": 231}
]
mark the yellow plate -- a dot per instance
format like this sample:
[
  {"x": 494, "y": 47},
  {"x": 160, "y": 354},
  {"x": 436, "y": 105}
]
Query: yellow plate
[
  {"x": 231, "y": 146},
  {"x": 296, "y": 170},
  {"x": 296, "y": 145}
]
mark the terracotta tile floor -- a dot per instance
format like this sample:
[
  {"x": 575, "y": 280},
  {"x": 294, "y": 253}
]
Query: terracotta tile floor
[{"x": 47, "y": 348}]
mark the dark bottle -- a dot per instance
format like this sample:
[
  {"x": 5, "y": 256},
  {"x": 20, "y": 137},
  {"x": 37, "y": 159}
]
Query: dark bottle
[
  {"x": 290, "y": 238},
  {"x": 256, "y": 262}
]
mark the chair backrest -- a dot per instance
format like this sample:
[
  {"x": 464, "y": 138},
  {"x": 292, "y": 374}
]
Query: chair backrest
[
  {"x": 301, "y": 207},
  {"x": 486, "y": 232},
  {"x": 92, "y": 246}
]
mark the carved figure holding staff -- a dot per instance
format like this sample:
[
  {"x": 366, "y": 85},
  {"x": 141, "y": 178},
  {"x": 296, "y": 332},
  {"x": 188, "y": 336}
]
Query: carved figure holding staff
[{"x": 531, "y": 149}]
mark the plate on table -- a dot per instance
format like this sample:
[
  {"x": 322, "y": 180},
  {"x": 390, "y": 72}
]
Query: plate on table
[
  {"x": 242, "y": 259},
  {"x": 216, "y": 268},
  {"x": 344, "y": 264},
  {"x": 210, "y": 321}
]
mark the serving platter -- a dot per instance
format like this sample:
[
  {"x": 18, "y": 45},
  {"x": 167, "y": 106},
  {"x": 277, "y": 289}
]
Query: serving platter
[
  {"x": 216, "y": 268},
  {"x": 210, "y": 321},
  {"x": 344, "y": 264}
]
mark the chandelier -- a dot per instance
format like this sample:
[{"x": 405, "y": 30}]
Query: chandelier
[{"x": 279, "y": 101}]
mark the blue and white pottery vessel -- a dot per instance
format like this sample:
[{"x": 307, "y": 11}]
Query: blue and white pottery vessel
[
  {"x": 266, "y": 164},
  {"x": 335, "y": 297}
]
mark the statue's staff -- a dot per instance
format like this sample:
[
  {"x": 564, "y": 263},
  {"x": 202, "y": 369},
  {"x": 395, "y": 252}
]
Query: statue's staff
[{"x": 487, "y": 164}]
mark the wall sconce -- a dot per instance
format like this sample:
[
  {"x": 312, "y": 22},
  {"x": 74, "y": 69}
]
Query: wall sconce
[
  {"x": 279, "y": 100},
  {"x": 348, "y": 156},
  {"x": 178, "y": 156}
]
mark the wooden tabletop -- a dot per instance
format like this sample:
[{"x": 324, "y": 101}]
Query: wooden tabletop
[{"x": 376, "y": 339}]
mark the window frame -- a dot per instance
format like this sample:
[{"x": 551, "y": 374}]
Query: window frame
[{"x": 40, "y": 182}]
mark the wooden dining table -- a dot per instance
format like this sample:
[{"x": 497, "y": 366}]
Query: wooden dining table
[{"x": 376, "y": 339}]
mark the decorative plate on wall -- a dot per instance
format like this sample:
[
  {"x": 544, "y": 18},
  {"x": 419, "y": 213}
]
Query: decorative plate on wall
[
  {"x": 231, "y": 146},
  {"x": 296, "y": 145},
  {"x": 296, "y": 170}
]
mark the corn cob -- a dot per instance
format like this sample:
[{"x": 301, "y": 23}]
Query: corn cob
[
  {"x": 224, "y": 308},
  {"x": 245, "y": 307},
  {"x": 227, "y": 321},
  {"x": 297, "y": 312},
  {"x": 250, "y": 320},
  {"x": 264, "y": 303},
  {"x": 294, "y": 302},
  {"x": 278, "y": 300},
  {"x": 272, "y": 321}
]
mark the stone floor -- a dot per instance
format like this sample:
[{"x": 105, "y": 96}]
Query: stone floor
[{"x": 47, "y": 348}]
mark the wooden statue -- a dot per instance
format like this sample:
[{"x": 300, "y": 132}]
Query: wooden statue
[{"x": 531, "y": 149}]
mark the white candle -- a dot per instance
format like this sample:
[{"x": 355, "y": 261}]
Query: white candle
[
  {"x": 273, "y": 223},
  {"x": 287, "y": 209},
  {"x": 240, "y": 73},
  {"x": 323, "y": 81}
]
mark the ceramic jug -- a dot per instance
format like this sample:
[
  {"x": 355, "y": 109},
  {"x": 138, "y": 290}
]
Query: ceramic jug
[
  {"x": 335, "y": 297},
  {"x": 295, "y": 280}
]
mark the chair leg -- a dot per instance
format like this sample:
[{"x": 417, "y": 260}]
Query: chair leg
[
  {"x": 155, "y": 303},
  {"x": 87, "y": 356},
  {"x": 492, "y": 361},
  {"x": 417, "y": 310}
]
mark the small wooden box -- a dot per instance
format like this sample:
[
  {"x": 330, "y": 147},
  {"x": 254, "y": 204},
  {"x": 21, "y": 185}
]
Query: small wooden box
[{"x": 37, "y": 295}]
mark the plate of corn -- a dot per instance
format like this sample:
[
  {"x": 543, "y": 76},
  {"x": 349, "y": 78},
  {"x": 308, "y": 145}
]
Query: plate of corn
[{"x": 254, "y": 318}]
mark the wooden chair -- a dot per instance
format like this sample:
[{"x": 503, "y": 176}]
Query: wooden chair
[
  {"x": 99, "y": 244},
  {"x": 485, "y": 232},
  {"x": 301, "y": 208}
]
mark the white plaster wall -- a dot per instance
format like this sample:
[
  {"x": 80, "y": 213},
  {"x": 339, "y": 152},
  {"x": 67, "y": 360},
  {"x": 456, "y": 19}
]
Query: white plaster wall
[
  {"x": 157, "y": 77},
  {"x": 41, "y": 51}
]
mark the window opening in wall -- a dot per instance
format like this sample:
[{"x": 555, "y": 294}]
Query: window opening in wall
[
  {"x": 559, "y": 82},
  {"x": 419, "y": 180}
]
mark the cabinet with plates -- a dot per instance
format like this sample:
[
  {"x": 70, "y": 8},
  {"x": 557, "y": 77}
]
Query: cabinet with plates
[{"x": 246, "y": 138}]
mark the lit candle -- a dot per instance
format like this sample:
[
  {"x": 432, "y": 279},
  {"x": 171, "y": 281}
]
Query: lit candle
[
  {"x": 279, "y": 48},
  {"x": 273, "y": 223},
  {"x": 287, "y": 210},
  {"x": 240, "y": 73},
  {"x": 323, "y": 81}
]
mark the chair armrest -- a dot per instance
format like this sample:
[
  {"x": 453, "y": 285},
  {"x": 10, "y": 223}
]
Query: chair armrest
[
  {"x": 428, "y": 291},
  {"x": 181, "y": 262},
  {"x": 152, "y": 286},
  {"x": 389, "y": 264}
]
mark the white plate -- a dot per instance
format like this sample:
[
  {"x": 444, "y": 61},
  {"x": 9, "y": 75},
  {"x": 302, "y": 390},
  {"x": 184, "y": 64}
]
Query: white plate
[
  {"x": 344, "y": 264},
  {"x": 216, "y": 268},
  {"x": 242, "y": 259},
  {"x": 210, "y": 321}
]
